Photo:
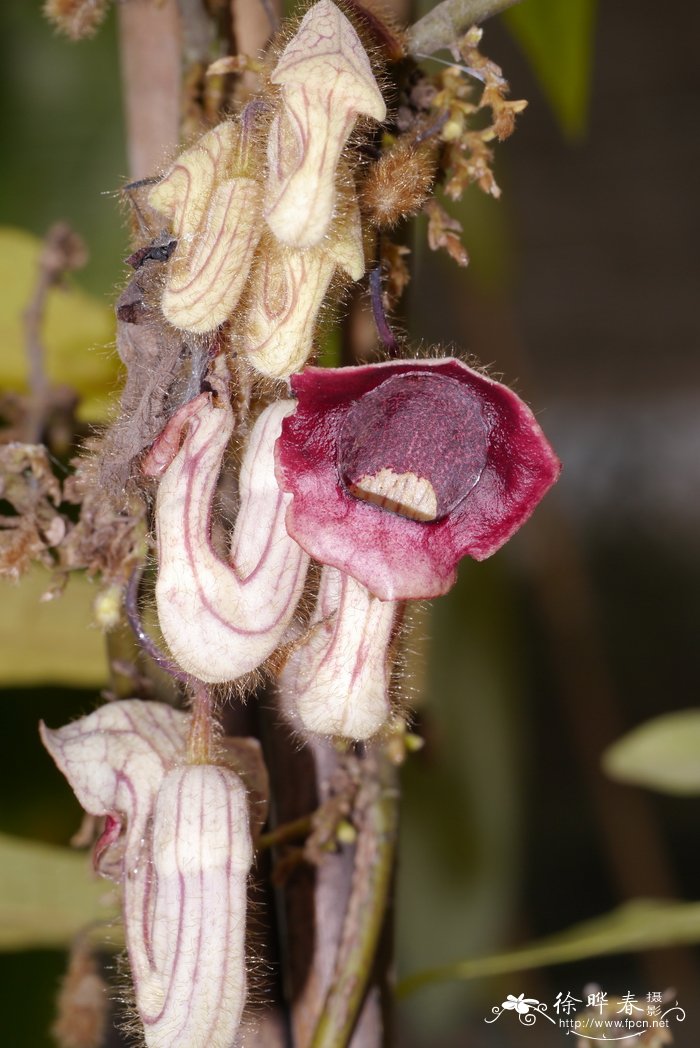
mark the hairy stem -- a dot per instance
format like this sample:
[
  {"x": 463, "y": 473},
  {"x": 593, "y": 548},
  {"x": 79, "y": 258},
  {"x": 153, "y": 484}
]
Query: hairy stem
[
  {"x": 443, "y": 26},
  {"x": 378, "y": 807}
]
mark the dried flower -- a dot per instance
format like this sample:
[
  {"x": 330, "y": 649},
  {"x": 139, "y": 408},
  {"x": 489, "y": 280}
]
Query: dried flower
[
  {"x": 398, "y": 184},
  {"x": 327, "y": 82},
  {"x": 336, "y": 682},
  {"x": 214, "y": 212},
  {"x": 177, "y": 839},
  {"x": 222, "y": 619},
  {"x": 288, "y": 288},
  {"x": 78, "y": 19},
  {"x": 398, "y": 470}
]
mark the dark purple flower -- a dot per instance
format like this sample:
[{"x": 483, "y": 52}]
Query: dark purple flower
[{"x": 399, "y": 470}]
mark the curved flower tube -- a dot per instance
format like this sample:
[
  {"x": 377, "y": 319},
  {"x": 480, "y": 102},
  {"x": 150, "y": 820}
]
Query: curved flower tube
[
  {"x": 222, "y": 620},
  {"x": 336, "y": 682},
  {"x": 177, "y": 838},
  {"x": 327, "y": 82},
  {"x": 396, "y": 471}
]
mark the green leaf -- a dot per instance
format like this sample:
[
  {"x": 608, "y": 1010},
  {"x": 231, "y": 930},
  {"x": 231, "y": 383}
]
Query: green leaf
[
  {"x": 640, "y": 925},
  {"x": 50, "y": 642},
  {"x": 78, "y": 330},
  {"x": 47, "y": 895},
  {"x": 557, "y": 38},
  {"x": 663, "y": 754}
]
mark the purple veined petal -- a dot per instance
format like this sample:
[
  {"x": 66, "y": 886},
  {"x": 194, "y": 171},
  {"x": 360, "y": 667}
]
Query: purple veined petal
[
  {"x": 186, "y": 912},
  {"x": 115, "y": 760},
  {"x": 398, "y": 470},
  {"x": 327, "y": 82},
  {"x": 217, "y": 221},
  {"x": 222, "y": 620},
  {"x": 287, "y": 290},
  {"x": 336, "y": 682}
]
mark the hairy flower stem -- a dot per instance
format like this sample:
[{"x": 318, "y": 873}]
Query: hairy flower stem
[
  {"x": 200, "y": 742},
  {"x": 443, "y": 25},
  {"x": 378, "y": 817}
]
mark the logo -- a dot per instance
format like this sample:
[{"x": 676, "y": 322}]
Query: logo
[{"x": 642, "y": 1019}]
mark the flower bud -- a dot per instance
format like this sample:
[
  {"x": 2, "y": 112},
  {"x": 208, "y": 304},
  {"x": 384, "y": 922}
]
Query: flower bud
[
  {"x": 288, "y": 288},
  {"x": 223, "y": 619},
  {"x": 177, "y": 839},
  {"x": 336, "y": 682},
  {"x": 186, "y": 934},
  {"x": 327, "y": 82},
  {"x": 214, "y": 212}
]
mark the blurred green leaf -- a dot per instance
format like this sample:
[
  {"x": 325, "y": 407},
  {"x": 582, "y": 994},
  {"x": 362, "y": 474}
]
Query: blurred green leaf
[
  {"x": 50, "y": 642},
  {"x": 663, "y": 754},
  {"x": 640, "y": 925},
  {"x": 78, "y": 330},
  {"x": 47, "y": 895},
  {"x": 557, "y": 37}
]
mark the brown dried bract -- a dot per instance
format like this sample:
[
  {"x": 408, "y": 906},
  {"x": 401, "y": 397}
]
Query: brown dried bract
[
  {"x": 82, "y": 1004},
  {"x": 78, "y": 19},
  {"x": 28, "y": 484},
  {"x": 443, "y": 232},
  {"x": 468, "y": 155},
  {"x": 161, "y": 363},
  {"x": 109, "y": 536},
  {"x": 398, "y": 275}
]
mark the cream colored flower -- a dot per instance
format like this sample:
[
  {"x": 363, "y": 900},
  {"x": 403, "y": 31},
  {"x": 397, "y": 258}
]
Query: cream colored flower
[
  {"x": 288, "y": 288},
  {"x": 215, "y": 213},
  {"x": 177, "y": 840},
  {"x": 326, "y": 83},
  {"x": 336, "y": 682},
  {"x": 223, "y": 618}
]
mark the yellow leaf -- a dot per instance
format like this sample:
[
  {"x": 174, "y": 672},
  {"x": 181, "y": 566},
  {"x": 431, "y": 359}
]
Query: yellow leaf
[
  {"x": 78, "y": 330},
  {"x": 50, "y": 642},
  {"x": 47, "y": 895}
]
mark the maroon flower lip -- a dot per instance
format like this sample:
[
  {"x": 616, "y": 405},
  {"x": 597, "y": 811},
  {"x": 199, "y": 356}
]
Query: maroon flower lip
[{"x": 399, "y": 470}]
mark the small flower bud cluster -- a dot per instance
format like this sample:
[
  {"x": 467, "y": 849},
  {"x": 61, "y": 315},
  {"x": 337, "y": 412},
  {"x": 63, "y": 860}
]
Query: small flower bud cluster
[{"x": 260, "y": 240}]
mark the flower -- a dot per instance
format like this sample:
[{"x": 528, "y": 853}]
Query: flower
[
  {"x": 214, "y": 211},
  {"x": 222, "y": 619},
  {"x": 520, "y": 1004},
  {"x": 287, "y": 290},
  {"x": 326, "y": 82},
  {"x": 398, "y": 470},
  {"x": 177, "y": 839},
  {"x": 336, "y": 682}
]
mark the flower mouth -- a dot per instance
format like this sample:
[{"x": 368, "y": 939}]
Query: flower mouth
[{"x": 415, "y": 446}]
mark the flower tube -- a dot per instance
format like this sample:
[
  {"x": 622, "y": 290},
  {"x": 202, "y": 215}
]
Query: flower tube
[
  {"x": 326, "y": 83},
  {"x": 336, "y": 681},
  {"x": 288, "y": 288},
  {"x": 177, "y": 840},
  {"x": 222, "y": 619}
]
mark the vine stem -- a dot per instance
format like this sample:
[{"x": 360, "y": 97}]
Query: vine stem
[
  {"x": 442, "y": 27},
  {"x": 378, "y": 813}
]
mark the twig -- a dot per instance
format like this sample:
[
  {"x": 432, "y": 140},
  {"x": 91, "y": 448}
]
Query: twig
[
  {"x": 443, "y": 26},
  {"x": 378, "y": 807},
  {"x": 62, "y": 251},
  {"x": 150, "y": 61},
  {"x": 386, "y": 335},
  {"x": 288, "y": 831}
]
